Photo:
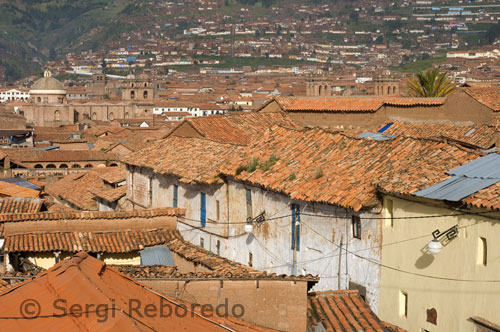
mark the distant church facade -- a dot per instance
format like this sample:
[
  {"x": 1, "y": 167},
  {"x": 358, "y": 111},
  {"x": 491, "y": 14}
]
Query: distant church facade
[{"x": 49, "y": 105}]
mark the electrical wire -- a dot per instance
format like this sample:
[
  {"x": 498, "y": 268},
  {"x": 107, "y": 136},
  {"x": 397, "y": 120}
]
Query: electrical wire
[{"x": 400, "y": 270}]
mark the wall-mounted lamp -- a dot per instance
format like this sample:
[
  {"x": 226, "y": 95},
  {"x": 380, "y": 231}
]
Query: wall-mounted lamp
[
  {"x": 259, "y": 220},
  {"x": 435, "y": 245}
]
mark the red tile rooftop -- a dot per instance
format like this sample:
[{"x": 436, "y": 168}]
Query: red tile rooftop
[
  {"x": 83, "y": 280},
  {"x": 351, "y": 103}
]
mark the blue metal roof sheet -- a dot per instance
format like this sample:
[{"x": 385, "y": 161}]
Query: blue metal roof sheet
[
  {"x": 486, "y": 167},
  {"x": 466, "y": 180},
  {"x": 21, "y": 182},
  {"x": 157, "y": 255}
]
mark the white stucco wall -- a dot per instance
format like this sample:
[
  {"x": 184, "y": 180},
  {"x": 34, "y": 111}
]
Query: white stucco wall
[{"x": 270, "y": 244}]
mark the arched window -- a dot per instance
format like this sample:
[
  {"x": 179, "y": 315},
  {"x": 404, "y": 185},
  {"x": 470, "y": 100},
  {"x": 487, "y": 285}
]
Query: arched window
[
  {"x": 63, "y": 166},
  {"x": 326, "y": 90},
  {"x": 51, "y": 166},
  {"x": 394, "y": 90},
  {"x": 145, "y": 85},
  {"x": 113, "y": 165},
  {"x": 94, "y": 116},
  {"x": 145, "y": 94},
  {"x": 111, "y": 116},
  {"x": 39, "y": 99},
  {"x": 132, "y": 94},
  {"x": 132, "y": 85},
  {"x": 320, "y": 92},
  {"x": 57, "y": 116},
  {"x": 388, "y": 90},
  {"x": 76, "y": 166},
  {"x": 88, "y": 166},
  {"x": 38, "y": 166},
  {"x": 126, "y": 115}
]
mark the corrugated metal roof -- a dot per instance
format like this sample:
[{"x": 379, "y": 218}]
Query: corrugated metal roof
[
  {"x": 466, "y": 180},
  {"x": 487, "y": 167},
  {"x": 157, "y": 255}
]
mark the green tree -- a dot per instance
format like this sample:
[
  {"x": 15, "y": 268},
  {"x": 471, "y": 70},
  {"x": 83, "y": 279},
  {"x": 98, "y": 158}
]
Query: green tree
[{"x": 431, "y": 83}]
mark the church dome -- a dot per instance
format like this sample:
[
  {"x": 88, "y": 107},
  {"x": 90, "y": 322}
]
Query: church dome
[{"x": 48, "y": 83}]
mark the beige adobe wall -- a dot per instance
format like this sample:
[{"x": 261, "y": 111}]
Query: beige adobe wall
[
  {"x": 454, "y": 301},
  {"x": 280, "y": 305},
  {"x": 335, "y": 120},
  {"x": 72, "y": 146}
]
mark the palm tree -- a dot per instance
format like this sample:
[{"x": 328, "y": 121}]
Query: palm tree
[{"x": 431, "y": 83}]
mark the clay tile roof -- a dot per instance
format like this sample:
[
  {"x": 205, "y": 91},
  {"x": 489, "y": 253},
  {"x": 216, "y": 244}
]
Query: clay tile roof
[
  {"x": 489, "y": 97},
  {"x": 79, "y": 189},
  {"x": 91, "y": 215},
  {"x": 116, "y": 175},
  {"x": 109, "y": 194},
  {"x": 351, "y": 104},
  {"x": 343, "y": 311},
  {"x": 107, "y": 242},
  {"x": 479, "y": 135},
  {"x": 191, "y": 159},
  {"x": 239, "y": 128},
  {"x": 13, "y": 190},
  {"x": 84, "y": 280},
  {"x": 20, "y": 205},
  {"x": 319, "y": 166}
]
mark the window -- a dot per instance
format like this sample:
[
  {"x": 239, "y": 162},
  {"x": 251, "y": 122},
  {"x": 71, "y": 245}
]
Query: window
[
  {"x": 217, "y": 210},
  {"x": 403, "y": 304},
  {"x": 356, "y": 227},
  {"x": 482, "y": 252},
  {"x": 389, "y": 208},
  {"x": 176, "y": 195},
  {"x": 250, "y": 259},
  {"x": 132, "y": 94},
  {"x": 145, "y": 94},
  {"x": 202, "y": 242},
  {"x": 203, "y": 209},
  {"x": 217, "y": 246},
  {"x": 295, "y": 227},
  {"x": 249, "y": 203}
]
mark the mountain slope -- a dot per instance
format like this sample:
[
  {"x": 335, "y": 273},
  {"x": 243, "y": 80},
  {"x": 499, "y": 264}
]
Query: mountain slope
[{"x": 33, "y": 31}]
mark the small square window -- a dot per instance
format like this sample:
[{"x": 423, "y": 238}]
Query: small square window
[{"x": 202, "y": 242}]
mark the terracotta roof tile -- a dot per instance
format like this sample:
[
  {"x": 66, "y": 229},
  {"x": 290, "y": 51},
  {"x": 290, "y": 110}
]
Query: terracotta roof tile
[
  {"x": 107, "y": 242},
  {"x": 13, "y": 190},
  {"x": 343, "y": 311},
  {"x": 320, "y": 166},
  {"x": 80, "y": 189},
  {"x": 86, "y": 215},
  {"x": 97, "y": 283},
  {"x": 489, "y": 97},
  {"x": 239, "y": 128},
  {"x": 479, "y": 135},
  {"x": 351, "y": 104},
  {"x": 20, "y": 205}
]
